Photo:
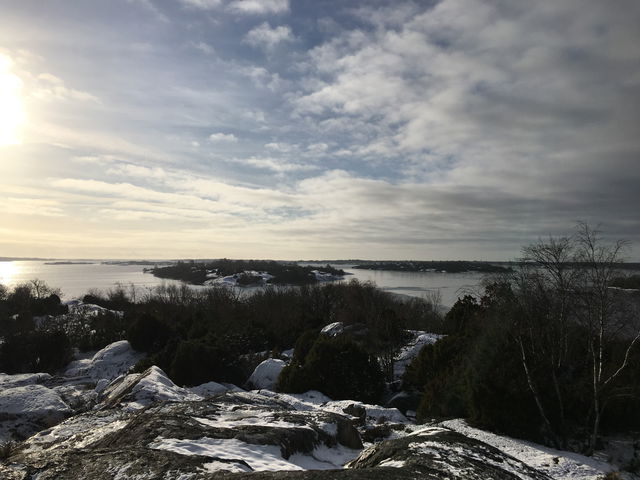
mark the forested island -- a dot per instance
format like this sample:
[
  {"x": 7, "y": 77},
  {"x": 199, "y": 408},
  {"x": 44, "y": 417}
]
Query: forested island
[
  {"x": 247, "y": 272},
  {"x": 445, "y": 266}
]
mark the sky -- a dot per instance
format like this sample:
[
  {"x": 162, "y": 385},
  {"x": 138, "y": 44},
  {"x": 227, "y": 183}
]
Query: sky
[{"x": 316, "y": 129}]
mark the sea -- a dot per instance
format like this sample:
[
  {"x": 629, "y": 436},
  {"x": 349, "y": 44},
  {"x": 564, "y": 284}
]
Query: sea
[{"x": 77, "y": 278}]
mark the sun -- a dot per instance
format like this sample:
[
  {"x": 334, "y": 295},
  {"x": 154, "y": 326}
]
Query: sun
[{"x": 12, "y": 114}]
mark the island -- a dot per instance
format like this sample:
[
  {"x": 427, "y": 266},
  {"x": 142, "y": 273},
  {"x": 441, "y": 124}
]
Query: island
[
  {"x": 444, "y": 266},
  {"x": 246, "y": 272}
]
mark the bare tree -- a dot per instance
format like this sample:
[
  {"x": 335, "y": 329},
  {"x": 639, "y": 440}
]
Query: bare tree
[{"x": 603, "y": 314}]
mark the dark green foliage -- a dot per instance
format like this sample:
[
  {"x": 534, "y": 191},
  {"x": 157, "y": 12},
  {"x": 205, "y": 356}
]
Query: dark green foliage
[
  {"x": 147, "y": 333},
  {"x": 632, "y": 282},
  {"x": 339, "y": 368},
  {"x": 450, "y": 266},
  {"x": 198, "y": 361},
  {"x": 477, "y": 370},
  {"x": 303, "y": 345},
  {"x": 35, "y": 351}
]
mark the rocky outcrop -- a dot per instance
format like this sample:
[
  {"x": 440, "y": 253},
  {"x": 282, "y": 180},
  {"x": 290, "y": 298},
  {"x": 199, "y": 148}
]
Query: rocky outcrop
[
  {"x": 436, "y": 453},
  {"x": 245, "y": 434}
]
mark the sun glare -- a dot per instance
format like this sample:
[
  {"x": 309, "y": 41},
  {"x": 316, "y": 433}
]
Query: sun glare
[
  {"x": 7, "y": 271},
  {"x": 12, "y": 115}
]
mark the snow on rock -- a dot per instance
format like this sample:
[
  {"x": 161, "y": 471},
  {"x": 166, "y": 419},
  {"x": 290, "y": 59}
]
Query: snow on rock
[
  {"x": 155, "y": 386},
  {"x": 208, "y": 389},
  {"x": 434, "y": 452},
  {"x": 411, "y": 350},
  {"x": 266, "y": 374},
  {"x": 22, "y": 379},
  {"x": 333, "y": 329},
  {"x": 27, "y": 409},
  {"x": 287, "y": 353},
  {"x": 326, "y": 276},
  {"x": 262, "y": 278},
  {"x": 78, "y": 307},
  {"x": 555, "y": 463},
  {"x": 109, "y": 363},
  {"x": 139, "y": 390}
]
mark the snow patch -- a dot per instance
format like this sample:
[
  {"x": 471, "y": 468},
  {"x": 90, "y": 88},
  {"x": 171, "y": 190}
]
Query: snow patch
[
  {"x": 266, "y": 374},
  {"x": 555, "y": 463},
  {"x": 333, "y": 329},
  {"x": 109, "y": 363}
]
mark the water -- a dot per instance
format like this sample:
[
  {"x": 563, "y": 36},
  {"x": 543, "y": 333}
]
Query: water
[
  {"x": 449, "y": 286},
  {"x": 75, "y": 280}
]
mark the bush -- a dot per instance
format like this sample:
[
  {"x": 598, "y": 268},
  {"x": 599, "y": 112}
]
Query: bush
[
  {"x": 338, "y": 368},
  {"x": 199, "y": 361},
  {"x": 148, "y": 333},
  {"x": 35, "y": 351}
]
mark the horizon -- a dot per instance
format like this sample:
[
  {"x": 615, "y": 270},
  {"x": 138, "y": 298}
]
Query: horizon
[{"x": 281, "y": 129}]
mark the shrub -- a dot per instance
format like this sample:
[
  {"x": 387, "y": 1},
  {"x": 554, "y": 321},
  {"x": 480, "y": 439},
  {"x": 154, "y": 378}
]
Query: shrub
[
  {"x": 148, "y": 333},
  {"x": 35, "y": 351},
  {"x": 200, "y": 361},
  {"x": 337, "y": 367}
]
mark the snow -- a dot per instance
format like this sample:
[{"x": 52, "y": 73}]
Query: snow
[
  {"x": 287, "y": 353},
  {"x": 259, "y": 458},
  {"x": 76, "y": 431},
  {"x": 411, "y": 350},
  {"x": 266, "y": 374},
  {"x": 35, "y": 399},
  {"x": 155, "y": 386},
  {"x": 77, "y": 307},
  {"x": 238, "y": 456},
  {"x": 555, "y": 463},
  {"x": 29, "y": 408},
  {"x": 232, "y": 280},
  {"x": 109, "y": 363},
  {"x": 325, "y": 276},
  {"x": 333, "y": 329},
  {"x": 22, "y": 379},
  {"x": 208, "y": 389}
]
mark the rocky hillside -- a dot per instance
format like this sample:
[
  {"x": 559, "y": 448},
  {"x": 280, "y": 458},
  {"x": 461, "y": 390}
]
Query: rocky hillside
[
  {"x": 95, "y": 421},
  {"x": 128, "y": 434}
]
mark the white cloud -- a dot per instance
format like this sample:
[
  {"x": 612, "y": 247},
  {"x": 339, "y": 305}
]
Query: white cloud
[
  {"x": 281, "y": 147},
  {"x": 276, "y": 165},
  {"x": 203, "y": 4},
  {"x": 204, "y": 47},
  {"x": 263, "y": 78},
  {"x": 223, "y": 138},
  {"x": 259, "y": 6},
  {"x": 50, "y": 87},
  {"x": 267, "y": 38}
]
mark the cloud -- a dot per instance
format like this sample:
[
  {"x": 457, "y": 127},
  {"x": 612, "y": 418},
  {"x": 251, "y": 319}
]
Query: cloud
[
  {"x": 267, "y": 38},
  {"x": 276, "y": 165},
  {"x": 223, "y": 138},
  {"x": 259, "y": 6},
  {"x": 202, "y": 4},
  {"x": 50, "y": 87},
  {"x": 203, "y": 47},
  {"x": 31, "y": 206},
  {"x": 263, "y": 78}
]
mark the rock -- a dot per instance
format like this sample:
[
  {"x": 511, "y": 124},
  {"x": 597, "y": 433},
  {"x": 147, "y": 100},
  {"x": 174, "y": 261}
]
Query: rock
[
  {"x": 27, "y": 409},
  {"x": 140, "y": 390},
  {"x": 209, "y": 389},
  {"x": 232, "y": 432},
  {"x": 333, "y": 329},
  {"x": 109, "y": 363},
  {"x": 405, "y": 401},
  {"x": 266, "y": 374},
  {"x": 357, "y": 411},
  {"x": 436, "y": 452}
]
